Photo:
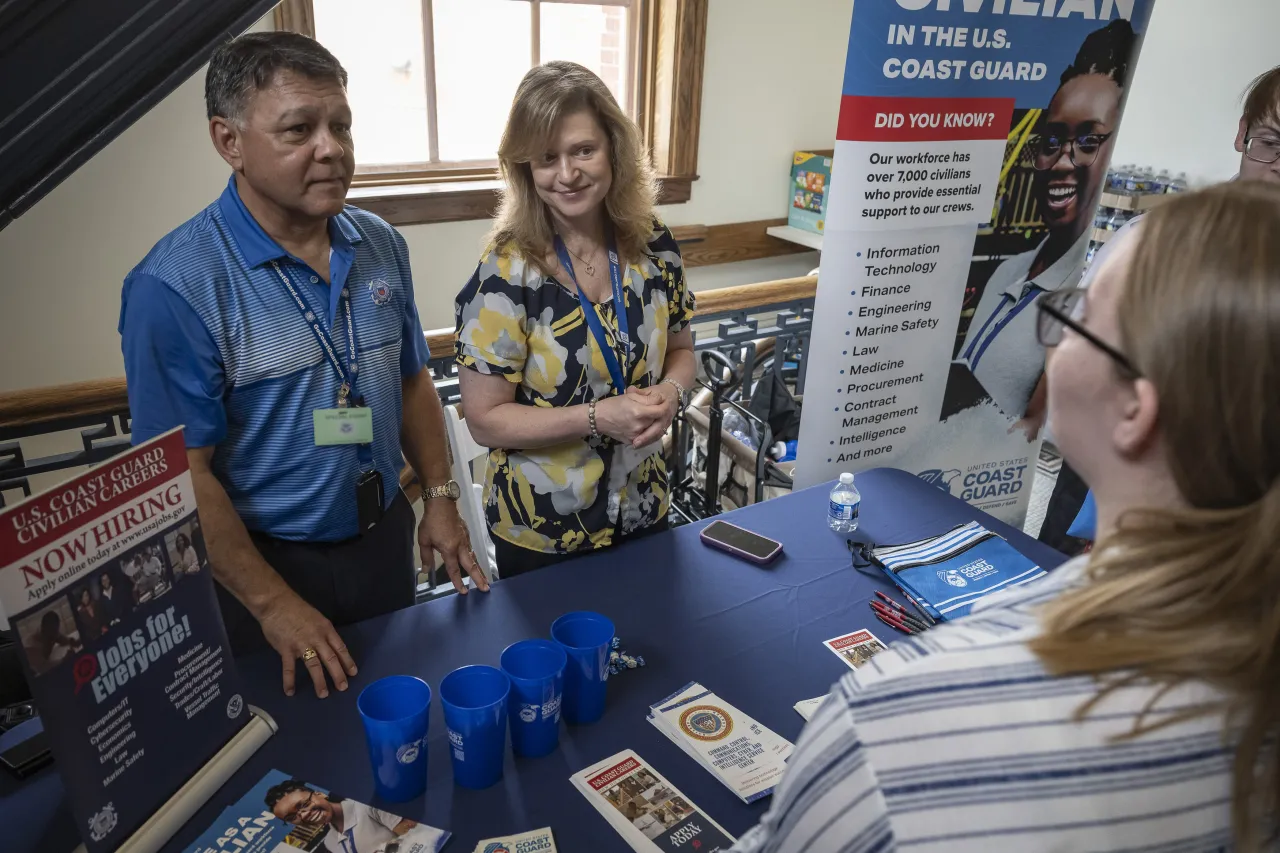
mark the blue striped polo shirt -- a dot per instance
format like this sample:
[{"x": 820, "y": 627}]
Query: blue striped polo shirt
[{"x": 213, "y": 341}]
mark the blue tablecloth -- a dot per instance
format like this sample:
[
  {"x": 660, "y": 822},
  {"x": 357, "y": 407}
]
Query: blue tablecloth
[{"x": 753, "y": 635}]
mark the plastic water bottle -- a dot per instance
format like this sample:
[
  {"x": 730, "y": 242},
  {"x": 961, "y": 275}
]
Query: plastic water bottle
[{"x": 842, "y": 516}]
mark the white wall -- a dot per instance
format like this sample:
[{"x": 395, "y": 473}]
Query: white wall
[
  {"x": 1198, "y": 57},
  {"x": 771, "y": 85}
]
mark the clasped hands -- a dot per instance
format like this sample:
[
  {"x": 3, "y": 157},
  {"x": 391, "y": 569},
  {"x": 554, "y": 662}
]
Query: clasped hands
[{"x": 640, "y": 416}]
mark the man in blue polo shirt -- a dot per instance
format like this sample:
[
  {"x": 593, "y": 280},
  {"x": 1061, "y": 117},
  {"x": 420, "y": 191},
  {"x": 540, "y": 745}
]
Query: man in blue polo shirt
[{"x": 278, "y": 326}]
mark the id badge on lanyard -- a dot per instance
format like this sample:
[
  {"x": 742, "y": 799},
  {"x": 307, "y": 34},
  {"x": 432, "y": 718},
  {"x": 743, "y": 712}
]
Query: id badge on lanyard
[{"x": 616, "y": 368}]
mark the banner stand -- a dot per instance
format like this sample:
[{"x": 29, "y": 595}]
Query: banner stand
[{"x": 197, "y": 791}]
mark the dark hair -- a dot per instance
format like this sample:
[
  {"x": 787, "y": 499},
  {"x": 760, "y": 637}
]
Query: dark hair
[
  {"x": 276, "y": 793},
  {"x": 50, "y": 622},
  {"x": 251, "y": 62},
  {"x": 1107, "y": 51},
  {"x": 181, "y": 538},
  {"x": 1262, "y": 99}
]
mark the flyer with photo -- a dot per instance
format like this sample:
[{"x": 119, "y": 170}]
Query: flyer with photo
[
  {"x": 855, "y": 649},
  {"x": 647, "y": 810},
  {"x": 538, "y": 841},
  {"x": 743, "y": 754},
  {"x": 282, "y": 814},
  {"x": 107, "y": 586}
]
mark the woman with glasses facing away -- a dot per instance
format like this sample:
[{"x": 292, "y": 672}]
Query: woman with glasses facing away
[
  {"x": 1131, "y": 699},
  {"x": 1070, "y": 154},
  {"x": 573, "y": 334}
]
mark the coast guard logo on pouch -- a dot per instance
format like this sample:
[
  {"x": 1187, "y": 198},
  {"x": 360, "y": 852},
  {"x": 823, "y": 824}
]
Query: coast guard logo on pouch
[
  {"x": 101, "y": 824},
  {"x": 939, "y": 478},
  {"x": 380, "y": 291},
  {"x": 953, "y": 577},
  {"x": 706, "y": 722},
  {"x": 408, "y": 753}
]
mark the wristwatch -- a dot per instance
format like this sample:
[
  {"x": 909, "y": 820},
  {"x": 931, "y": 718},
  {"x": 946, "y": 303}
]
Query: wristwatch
[{"x": 450, "y": 490}]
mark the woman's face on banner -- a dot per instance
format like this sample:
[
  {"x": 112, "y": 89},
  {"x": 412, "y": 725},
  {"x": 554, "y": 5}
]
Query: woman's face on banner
[{"x": 1068, "y": 191}]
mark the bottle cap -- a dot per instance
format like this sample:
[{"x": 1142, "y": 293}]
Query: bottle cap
[{"x": 846, "y": 479}]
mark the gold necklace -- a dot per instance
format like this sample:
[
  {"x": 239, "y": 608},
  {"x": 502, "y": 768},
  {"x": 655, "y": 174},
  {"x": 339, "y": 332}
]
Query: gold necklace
[{"x": 586, "y": 265}]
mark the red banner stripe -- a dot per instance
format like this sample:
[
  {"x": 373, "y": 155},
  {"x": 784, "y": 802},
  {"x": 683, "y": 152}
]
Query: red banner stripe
[{"x": 869, "y": 119}]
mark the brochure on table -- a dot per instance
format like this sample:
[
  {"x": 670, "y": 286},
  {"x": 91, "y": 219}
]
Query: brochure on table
[
  {"x": 923, "y": 355},
  {"x": 748, "y": 758},
  {"x": 647, "y": 810},
  {"x": 107, "y": 585},
  {"x": 282, "y": 813}
]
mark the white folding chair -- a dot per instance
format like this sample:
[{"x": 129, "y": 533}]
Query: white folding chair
[{"x": 471, "y": 503}]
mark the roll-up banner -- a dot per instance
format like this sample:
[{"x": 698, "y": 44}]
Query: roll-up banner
[{"x": 972, "y": 152}]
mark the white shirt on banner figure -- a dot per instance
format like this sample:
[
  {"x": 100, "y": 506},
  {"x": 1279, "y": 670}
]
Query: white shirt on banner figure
[{"x": 1001, "y": 347}]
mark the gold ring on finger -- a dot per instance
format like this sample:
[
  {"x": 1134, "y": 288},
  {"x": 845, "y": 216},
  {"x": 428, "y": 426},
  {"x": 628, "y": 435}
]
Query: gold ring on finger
[{"x": 309, "y": 654}]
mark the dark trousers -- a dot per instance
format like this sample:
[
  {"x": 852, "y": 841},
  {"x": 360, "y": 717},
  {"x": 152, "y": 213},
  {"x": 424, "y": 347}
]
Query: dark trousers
[
  {"x": 1064, "y": 505},
  {"x": 513, "y": 560},
  {"x": 346, "y": 581}
]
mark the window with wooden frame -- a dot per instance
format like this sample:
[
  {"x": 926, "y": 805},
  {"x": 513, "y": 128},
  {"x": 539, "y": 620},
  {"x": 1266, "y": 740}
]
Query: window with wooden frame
[{"x": 431, "y": 83}]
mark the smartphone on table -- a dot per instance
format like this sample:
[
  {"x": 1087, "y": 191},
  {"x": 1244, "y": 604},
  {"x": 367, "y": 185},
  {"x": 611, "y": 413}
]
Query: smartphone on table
[{"x": 741, "y": 542}]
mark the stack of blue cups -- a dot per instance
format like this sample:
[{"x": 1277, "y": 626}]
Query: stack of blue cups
[{"x": 586, "y": 638}]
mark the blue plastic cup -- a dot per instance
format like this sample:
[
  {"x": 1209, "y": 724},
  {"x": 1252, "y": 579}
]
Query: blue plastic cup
[
  {"x": 536, "y": 669},
  {"x": 395, "y": 711},
  {"x": 474, "y": 699},
  {"x": 586, "y": 638}
]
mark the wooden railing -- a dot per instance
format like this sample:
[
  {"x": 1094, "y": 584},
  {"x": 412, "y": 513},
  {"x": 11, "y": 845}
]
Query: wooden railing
[{"x": 728, "y": 319}]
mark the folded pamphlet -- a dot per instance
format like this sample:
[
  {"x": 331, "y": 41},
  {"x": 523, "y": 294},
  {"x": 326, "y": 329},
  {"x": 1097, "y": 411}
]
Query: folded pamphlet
[
  {"x": 855, "y": 649},
  {"x": 538, "y": 841},
  {"x": 283, "y": 813},
  {"x": 808, "y": 707},
  {"x": 744, "y": 755},
  {"x": 647, "y": 810}
]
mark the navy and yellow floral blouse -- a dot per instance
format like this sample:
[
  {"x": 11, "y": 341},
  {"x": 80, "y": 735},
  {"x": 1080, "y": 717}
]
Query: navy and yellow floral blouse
[{"x": 515, "y": 322}]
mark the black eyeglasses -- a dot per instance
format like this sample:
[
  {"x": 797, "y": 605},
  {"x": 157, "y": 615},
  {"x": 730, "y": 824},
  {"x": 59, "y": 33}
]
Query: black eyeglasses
[
  {"x": 1058, "y": 310},
  {"x": 305, "y": 802},
  {"x": 1262, "y": 149},
  {"x": 1084, "y": 149}
]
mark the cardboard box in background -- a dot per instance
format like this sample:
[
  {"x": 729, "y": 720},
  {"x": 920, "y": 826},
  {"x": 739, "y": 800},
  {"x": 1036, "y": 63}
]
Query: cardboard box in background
[{"x": 810, "y": 180}]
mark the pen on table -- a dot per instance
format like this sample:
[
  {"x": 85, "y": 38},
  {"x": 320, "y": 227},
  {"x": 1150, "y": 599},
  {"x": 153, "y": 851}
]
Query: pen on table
[
  {"x": 923, "y": 612},
  {"x": 903, "y": 617},
  {"x": 893, "y": 622}
]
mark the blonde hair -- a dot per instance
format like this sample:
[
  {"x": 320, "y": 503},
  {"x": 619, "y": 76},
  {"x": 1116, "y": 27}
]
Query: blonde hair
[
  {"x": 1193, "y": 595},
  {"x": 546, "y": 95}
]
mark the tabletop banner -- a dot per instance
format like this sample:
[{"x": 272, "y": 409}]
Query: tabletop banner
[
  {"x": 972, "y": 151},
  {"x": 107, "y": 585}
]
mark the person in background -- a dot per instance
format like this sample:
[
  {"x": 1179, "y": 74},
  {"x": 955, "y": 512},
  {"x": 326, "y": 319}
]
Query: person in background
[
  {"x": 278, "y": 325},
  {"x": 92, "y": 622},
  {"x": 1071, "y": 516},
  {"x": 1129, "y": 700},
  {"x": 111, "y": 601},
  {"x": 1074, "y": 145},
  {"x": 571, "y": 393}
]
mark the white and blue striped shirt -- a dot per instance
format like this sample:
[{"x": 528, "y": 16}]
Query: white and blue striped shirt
[{"x": 958, "y": 740}]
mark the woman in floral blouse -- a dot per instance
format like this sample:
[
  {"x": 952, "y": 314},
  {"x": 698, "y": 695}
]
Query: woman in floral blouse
[{"x": 573, "y": 402}]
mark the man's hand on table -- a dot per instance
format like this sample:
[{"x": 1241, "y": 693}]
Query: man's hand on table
[
  {"x": 293, "y": 628},
  {"x": 442, "y": 531}
]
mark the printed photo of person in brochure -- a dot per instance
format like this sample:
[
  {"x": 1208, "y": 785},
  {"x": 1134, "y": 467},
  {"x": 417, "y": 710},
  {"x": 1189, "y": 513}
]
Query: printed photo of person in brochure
[
  {"x": 1060, "y": 164},
  {"x": 186, "y": 550},
  {"x": 49, "y": 635},
  {"x": 338, "y": 825}
]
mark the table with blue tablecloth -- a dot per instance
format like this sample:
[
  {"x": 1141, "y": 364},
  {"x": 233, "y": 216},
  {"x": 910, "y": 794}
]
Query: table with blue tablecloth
[{"x": 753, "y": 635}]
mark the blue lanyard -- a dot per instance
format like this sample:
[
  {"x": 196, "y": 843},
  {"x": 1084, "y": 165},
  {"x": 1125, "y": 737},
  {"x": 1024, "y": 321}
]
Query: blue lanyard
[
  {"x": 982, "y": 341},
  {"x": 347, "y": 374},
  {"x": 593, "y": 320}
]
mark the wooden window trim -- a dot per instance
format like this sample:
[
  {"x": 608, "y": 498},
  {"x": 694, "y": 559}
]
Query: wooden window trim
[{"x": 671, "y": 39}]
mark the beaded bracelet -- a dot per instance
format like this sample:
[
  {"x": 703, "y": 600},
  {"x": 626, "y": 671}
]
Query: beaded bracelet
[{"x": 591, "y": 419}]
